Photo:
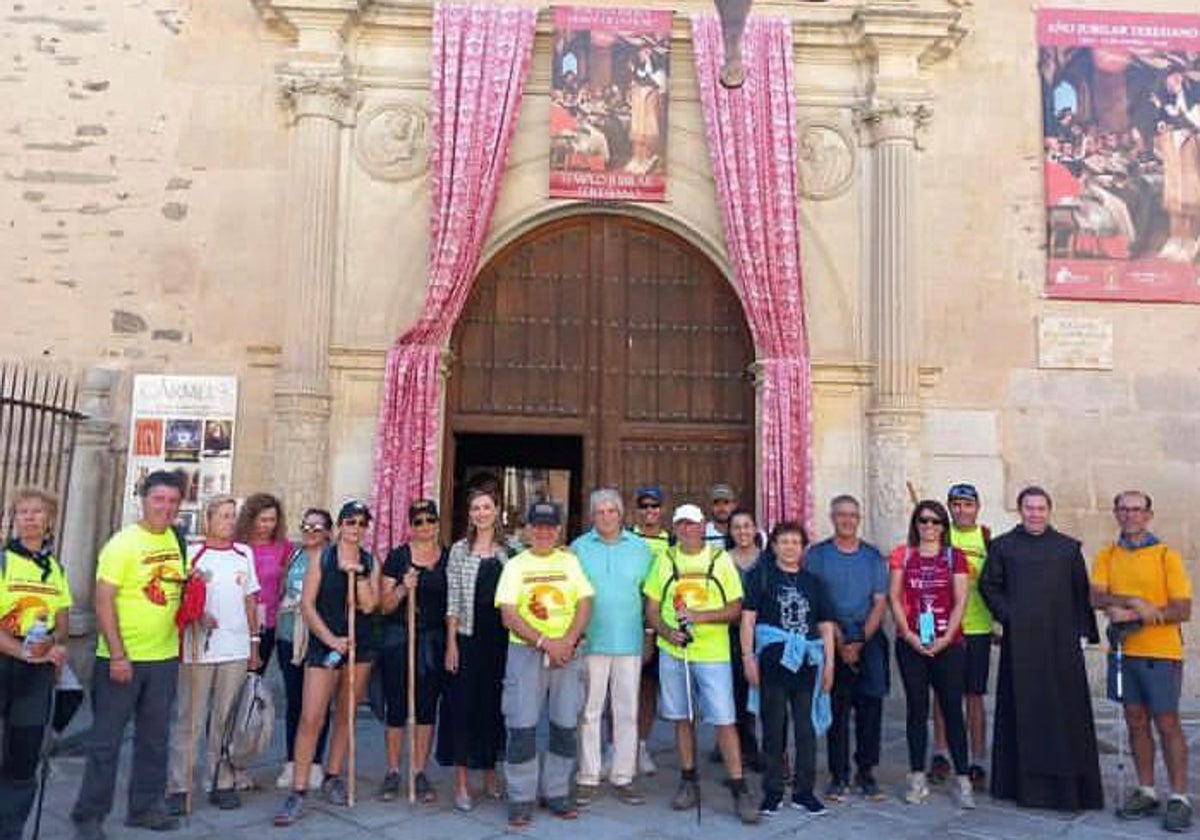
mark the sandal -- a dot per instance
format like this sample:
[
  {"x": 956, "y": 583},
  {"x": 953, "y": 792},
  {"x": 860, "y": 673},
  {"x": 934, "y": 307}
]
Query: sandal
[{"x": 425, "y": 790}]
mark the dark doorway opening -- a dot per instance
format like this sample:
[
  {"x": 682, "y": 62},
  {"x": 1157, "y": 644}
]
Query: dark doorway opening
[{"x": 523, "y": 469}]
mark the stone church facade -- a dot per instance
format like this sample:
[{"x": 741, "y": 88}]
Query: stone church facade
[{"x": 241, "y": 187}]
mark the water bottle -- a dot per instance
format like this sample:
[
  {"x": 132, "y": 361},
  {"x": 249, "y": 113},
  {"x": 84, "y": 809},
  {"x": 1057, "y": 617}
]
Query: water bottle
[
  {"x": 333, "y": 659},
  {"x": 685, "y": 623},
  {"x": 925, "y": 625},
  {"x": 38, "y": 633}
]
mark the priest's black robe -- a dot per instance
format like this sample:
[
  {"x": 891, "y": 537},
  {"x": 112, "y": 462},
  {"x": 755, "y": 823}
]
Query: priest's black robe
[{"x": 1044, "y": 746}]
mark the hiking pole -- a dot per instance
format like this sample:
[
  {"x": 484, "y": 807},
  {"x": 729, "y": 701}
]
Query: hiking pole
[
  {"x": 352, "y": 706},
  {"x": 193, "y": 675},
  {"x": 44, "y": 771},
  {"x": 66, "y": 696},
  {"x": 1122, "y": 732},
  {"x": 691, "y": 713},
  {"x": 412, "y": 694}
]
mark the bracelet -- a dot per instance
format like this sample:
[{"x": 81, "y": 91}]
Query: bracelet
[
  {"x": 541, "y": 639},
  {"x": 749, "y": 656},
  {"x": 256, "y": 638}
]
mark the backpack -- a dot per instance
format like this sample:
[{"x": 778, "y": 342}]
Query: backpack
[
  {"x": 250, "y": 725},
  {"x": 672, "y": 553}
]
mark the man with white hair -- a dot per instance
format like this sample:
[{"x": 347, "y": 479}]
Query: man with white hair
[{"x": 616, "y": 562}]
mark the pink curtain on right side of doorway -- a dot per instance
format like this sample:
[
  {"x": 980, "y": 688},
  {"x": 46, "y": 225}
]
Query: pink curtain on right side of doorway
[{"x": 752, "y": 143}]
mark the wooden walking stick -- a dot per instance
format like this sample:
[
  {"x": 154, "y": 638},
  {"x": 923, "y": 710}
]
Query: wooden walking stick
[
  {"x": 412, "y": 694},
  {"x": 352, "y": 706},
  {"x": 193, "y": 673}
]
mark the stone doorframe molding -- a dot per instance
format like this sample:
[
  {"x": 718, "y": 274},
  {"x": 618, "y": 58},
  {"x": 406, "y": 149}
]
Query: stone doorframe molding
[{"x": 897, "y": 41}]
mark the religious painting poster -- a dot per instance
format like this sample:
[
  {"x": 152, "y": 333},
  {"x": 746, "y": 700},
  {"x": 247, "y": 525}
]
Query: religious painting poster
[
  {"x": 609, "y": 84},
  {"x": 1121, "y": 154},
  {"x": 183, "y": 424}
]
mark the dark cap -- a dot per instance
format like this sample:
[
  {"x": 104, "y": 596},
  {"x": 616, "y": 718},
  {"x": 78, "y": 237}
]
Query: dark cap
[
  {"x": 963, "y": 491},
  {"x": 724, "y": 492},
  {"x": 653, "y": 492},
  {"x": 354, "y": 507},
  {"x": 422, "y": 506},
  {"x": 544, "y": 513}
]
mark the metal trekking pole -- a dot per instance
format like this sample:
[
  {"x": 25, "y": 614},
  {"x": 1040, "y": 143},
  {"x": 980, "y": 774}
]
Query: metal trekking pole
[
  {"x": 352, "y": 706},
  {"x": 685, "y": 627},
  {"x": 1122, "y": 732}
]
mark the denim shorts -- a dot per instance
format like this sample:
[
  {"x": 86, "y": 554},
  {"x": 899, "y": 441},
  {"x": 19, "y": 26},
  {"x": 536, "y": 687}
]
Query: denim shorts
[
  {"x": 1153, "y": 683},
  {"x": 712, "y": 688}
]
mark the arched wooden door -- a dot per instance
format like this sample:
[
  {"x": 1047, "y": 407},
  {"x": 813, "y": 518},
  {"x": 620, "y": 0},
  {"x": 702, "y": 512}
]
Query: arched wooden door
[{"x": 599, "y": 351}]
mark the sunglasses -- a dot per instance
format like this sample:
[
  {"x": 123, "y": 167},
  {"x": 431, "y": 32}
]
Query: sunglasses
[
  {"x": 649, "y": 505},
  {"x": 424, "y": 520},
  {"x": 312, "y": 527},
  {"x": 929, "y": 520},
  {"x": 354, "y": 523}
]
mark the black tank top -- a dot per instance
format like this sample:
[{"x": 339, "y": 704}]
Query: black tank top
[{"x": 331, "y": 597}]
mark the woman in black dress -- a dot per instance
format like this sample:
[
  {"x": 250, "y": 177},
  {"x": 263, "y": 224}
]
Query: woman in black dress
[{"x": 471, "y": 735}]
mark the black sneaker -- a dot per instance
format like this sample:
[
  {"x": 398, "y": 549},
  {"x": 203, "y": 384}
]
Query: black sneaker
[
  {"x": 1178, "y": 817},
  {"x": 835, "y": 791},
  {"x": 939, "y": 770},
  {"x": 771, "y": 803},
  {"x": 176, "y": 804},
  {"x": 978, "y": 777},
  {"x": 153, "y": 821},
  {"x": 1137, "y": 805},
  {"x": 335, "y": 791},
  {"x": 389, "y": 788},
  {"x": 867, "y": 787},
  {"x": 808, "y": 802}
]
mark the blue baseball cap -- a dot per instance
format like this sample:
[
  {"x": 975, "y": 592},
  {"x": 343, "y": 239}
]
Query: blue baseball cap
[{"x": 544, "y": 513}]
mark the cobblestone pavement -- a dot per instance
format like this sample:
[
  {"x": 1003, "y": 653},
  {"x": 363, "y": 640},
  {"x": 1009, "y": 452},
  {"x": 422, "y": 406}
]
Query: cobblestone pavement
[{"x": 609, "y": 820}]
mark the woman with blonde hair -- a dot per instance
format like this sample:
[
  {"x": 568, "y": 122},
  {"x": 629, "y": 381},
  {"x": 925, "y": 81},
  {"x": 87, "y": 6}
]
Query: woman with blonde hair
[
  {"x": 34, "y": 603},
  {"x": 216, "y": 650}
]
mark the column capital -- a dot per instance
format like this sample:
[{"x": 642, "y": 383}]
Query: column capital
[
  {"x": 318, "y": 89},
  {"x": 893, "y": 120}
]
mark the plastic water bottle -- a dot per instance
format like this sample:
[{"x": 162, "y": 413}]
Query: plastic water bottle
[
  {"x": 38, "y": 633},
  {"x": 333, "y": 659}
]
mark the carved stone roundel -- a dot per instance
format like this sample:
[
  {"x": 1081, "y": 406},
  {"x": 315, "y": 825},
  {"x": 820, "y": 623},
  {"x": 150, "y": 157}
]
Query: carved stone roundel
[
  {"x": 393, "y": 140},
  {"x": 825, "y": 158}
]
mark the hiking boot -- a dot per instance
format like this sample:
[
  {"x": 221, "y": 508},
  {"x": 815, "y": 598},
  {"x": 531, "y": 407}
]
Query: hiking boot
[
  {"x": 628, "y": 795},
  {"x": 770, "y": 804},
  {"x": 918, "y": 788},
  {"x": 424, "y": 788},
  {"x": 335, "y": 791},
  {"x": 1138, "y": 804},
  {"x": 978, "y": 777},
  {"x": 291, "y": 809},
  {"x": 585, "y": 795},
  {"x": 1178, "y": 817},
  {"x": 743, "y": 806},
  {"x": 645, "y": 762},
  {"x": 389, "y": 788},
  {"x": 153, "y": 821},
  {"x": 808, "y": 802},
  {"x": 835, "y": 791},
  {"x": 176, "y": 804},
  {"x": 89, "y": 830},
  {"x": 939, "y": 769},
  {"x": 225, "y": 798},
  {"x": 867, "y": 787},
  {"x": 966, "y": 793},
  {"x": 686, "y": 796}
]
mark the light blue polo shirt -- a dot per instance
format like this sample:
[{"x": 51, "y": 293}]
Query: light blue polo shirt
[
  {"x": 616, "y": 571},
  {"x": 852, "y": 580}
]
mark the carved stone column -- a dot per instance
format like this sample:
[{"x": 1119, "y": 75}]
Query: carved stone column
[
  {"x": 894, "y": 417},
  {"x": 90, "y": 491},
  {"x": 320, "y": 99}
]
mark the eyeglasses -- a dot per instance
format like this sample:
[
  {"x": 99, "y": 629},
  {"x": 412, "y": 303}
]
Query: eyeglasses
[
  {"x": 354, "y": 523},
  {"x": 424, "y": 520},
  {"x": 649, "y": 505},
  {"x": 928, "y": 520},
  {"x": 1123, "y": 509},
  {"x": 312, "y": 527}
]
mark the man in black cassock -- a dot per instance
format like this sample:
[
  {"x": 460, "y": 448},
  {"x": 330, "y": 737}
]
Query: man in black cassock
[{"x": 1035, "y": 582}]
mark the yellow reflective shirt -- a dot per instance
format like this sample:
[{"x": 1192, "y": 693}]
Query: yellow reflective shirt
[
  {"x": 147, "y": 571},
  {"x": 688, "y": 576},
  {"x": 659, "y": 543},
  {"x": 977, "y": 618},
  {"x": 25, "y": 597},
  {"x": 544, "y": 589}
]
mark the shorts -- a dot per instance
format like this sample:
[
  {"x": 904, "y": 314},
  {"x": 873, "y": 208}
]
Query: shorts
[
  {"x": 431, "y": 670},
  {"x": 318, "y": 651},
  {"x": 978, "y": 663},
  {"x": 1153, "y": 683},
  {"x": 712, "y": 687}
]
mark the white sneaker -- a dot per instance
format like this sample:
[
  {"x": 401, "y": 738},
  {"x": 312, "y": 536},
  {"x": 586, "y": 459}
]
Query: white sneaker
[
  {"x": 966, "y": 793},
  {"x": 645, "y": 763},
  {"x": 284, "y": 782},
  {"x": 918, "y": 789},
  {"x": 316, "y": 777}
]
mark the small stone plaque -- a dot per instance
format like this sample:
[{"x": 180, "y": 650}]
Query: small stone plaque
[{"x": 1075, "y": 343}]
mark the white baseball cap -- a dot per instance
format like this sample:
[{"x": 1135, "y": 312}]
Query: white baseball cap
[{"x": 687, "y": 513}]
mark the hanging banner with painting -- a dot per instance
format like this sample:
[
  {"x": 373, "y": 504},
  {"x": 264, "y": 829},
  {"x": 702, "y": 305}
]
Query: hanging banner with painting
[
  {"x": 1121, "y": 143},
  {"x": 608, "y": 104},
  {"x": 183, "y": 424}
]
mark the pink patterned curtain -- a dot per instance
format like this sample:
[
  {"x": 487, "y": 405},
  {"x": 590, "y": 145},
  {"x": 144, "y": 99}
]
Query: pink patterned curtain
[
  {"x": 481, "y": 53},
  {"x": 752, "y": 145}
]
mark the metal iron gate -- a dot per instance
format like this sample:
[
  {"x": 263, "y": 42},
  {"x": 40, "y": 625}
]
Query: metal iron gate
[{"x": 38, "y": 422}]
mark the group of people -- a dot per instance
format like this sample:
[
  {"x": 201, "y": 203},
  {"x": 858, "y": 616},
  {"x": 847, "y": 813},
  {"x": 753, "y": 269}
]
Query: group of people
[{"x": 705, "y": 621}]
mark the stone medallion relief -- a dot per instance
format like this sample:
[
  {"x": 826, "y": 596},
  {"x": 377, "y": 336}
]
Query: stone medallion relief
[
  {"x": 826, "y": 157},
  {"x": 393, "y": 140}
]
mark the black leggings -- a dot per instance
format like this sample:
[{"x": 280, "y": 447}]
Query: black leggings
[{"x": 944, "y": 673}]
